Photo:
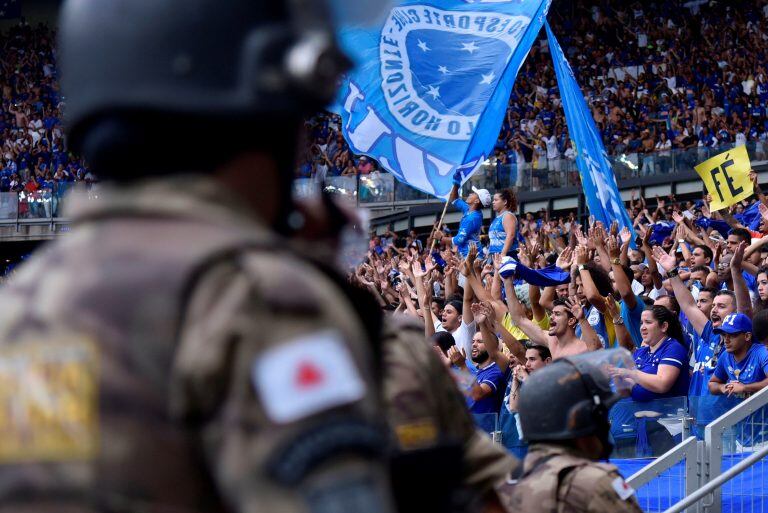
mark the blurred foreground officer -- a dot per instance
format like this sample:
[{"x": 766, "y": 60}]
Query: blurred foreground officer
[
  {"x": 172, "y": 354},
  {"x": 564, "y": 415}
]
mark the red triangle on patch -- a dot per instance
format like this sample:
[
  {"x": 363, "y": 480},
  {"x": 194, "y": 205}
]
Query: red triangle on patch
[{"x": 308, "y": 375}]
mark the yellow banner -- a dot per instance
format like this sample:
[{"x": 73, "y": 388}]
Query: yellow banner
[{"x": 727, "y": 177}]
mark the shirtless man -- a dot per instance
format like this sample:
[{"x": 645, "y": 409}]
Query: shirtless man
[{"x": 561, "y": 338}]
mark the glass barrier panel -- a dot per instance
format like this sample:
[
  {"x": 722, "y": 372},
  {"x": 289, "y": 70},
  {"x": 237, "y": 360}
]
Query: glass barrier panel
[
  {"x": 9, "y": 205},
  {"x": 305, "y": 187},
  {"x": 706, "y": 408},
  {"x": 345, "y": 186},
  {"x": 641, "y": 430},
  {"x": 376, "y": 187},
  {"x": 487, "y": 422}
]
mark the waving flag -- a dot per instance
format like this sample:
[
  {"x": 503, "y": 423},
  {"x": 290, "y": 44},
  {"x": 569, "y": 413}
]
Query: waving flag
[
  {"x": 431, "y": 85},
  {"x": 597, "y": 178}
]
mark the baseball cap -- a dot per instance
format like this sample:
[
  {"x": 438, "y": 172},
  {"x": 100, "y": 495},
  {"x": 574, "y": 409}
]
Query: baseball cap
[
  {"x": 735, "y": 323},
  {"x": 483, "y": 194}
]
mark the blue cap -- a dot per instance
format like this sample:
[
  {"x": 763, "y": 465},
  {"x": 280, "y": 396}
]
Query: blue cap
[{"x": 735, "y": 323}]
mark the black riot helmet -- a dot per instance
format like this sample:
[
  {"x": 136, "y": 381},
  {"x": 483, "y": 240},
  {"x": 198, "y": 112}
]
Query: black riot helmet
[
  {"x": 571, "y": 397},
  {"x": 213, "y": 76}
]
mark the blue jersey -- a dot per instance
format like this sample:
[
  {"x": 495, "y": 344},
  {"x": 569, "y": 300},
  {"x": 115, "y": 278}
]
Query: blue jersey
[
  {"x": 469, "y": 228},
  {"x": 494, "y": 378},
  {"x": 597, "y": 321},
  {"x": 752, "y": 369},
  {"x": 668, "y": 352},
  {"x": 706, "y": 352},
  {"x": 497, "y": 235}
]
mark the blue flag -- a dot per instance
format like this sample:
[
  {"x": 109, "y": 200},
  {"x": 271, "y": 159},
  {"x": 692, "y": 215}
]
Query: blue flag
[
  {"x": 751, "y": 217},
  {"x": 10, "y": 9},
  {"x": 431, "y": 85},
  {"x": 597, "y": 177}
]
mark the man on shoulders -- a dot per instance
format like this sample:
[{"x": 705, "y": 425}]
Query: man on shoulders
[{"x": 472, "y": 220}]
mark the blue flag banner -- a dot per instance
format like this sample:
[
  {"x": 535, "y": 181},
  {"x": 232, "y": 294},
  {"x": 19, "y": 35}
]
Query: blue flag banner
[
  {"x": 431, "y": 85},
  {"x": 597, "y": 177},
  {"x": 751, "y": 216},
  {"x": 10, "y": 9}
]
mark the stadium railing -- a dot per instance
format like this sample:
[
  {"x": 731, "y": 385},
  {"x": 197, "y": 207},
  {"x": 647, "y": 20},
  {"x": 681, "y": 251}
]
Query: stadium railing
[{"x": 381, "y": 188}]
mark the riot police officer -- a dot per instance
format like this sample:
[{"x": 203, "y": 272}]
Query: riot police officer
[
  {"x": 564, "y": 415},
  {"x": 173, "y": 353}
]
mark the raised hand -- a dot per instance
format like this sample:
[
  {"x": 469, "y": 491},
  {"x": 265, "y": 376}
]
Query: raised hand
[
  {"x": 612, "y": 307},
  {"x": 613, "y": 247},
  {"x": 647, "y": 236},
  {"x": 479, "y": 312},
  {"x": 614, "y": 228},
  {"x": 665, "y": 260},
  {"x": 565, "y": 259},
  {"x": 738, "y": 256},
  {"x": 678, "y": 217},
  {"x": 763, "y": 211},
  {"x": 625, "y": 235},
  {"x": 417, "y": 271},
  {"x": 582, "y": 255},
  {"x": 457, "y": 356},
  {"x": 573, "y": 304}
]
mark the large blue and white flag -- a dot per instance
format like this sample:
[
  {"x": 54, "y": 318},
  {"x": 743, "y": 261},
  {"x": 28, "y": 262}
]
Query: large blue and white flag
[
  {"x": 597, "y": 177},
  {"x": 432, "y": 83}
]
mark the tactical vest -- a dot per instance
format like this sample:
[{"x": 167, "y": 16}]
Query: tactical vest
[
  {"x": 88, "y": 333},
  {"x": 538, "y": 489}
]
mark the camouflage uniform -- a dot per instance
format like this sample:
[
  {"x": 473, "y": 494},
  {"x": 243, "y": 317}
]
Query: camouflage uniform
[
  {"x": 557, "y": 480},
  {"x": 426, "y": 411},
  {"x": 129, "y": 367}
]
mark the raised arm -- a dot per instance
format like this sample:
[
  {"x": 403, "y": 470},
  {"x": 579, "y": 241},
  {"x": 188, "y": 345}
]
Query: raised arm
[
  {"x": 682, "y": 294},
  {"x": 623, "y": 285},
  {"x": 743, "y": 299},
  {"x": 590, "y": 290},
  {"x": 483, "y": 313},
  {"x": 588, "y": 333},
  {"x": 517, "y": 312}
]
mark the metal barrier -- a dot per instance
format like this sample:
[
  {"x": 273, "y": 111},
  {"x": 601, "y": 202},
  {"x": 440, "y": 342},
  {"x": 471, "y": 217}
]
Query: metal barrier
[
  {"x": 670, "y": 477},
  {"x": 729, "y": 439},
  {"x": 736, "y": 441}
]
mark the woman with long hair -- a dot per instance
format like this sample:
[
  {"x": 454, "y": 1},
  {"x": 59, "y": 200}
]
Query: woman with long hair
[
  {"x": 662, "y": 360},
  {"x": 503, "y": 230},
  {"x": 761, "y": 302}
]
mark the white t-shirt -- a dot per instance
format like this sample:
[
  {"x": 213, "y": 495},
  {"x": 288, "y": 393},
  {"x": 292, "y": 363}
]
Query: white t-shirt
[{"x": 552, "y": 152}]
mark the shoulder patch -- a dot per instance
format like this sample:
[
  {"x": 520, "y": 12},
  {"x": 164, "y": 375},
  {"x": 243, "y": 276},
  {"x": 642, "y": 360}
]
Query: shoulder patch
[
  {"x": 305, "y": 376},
  {"x": 48, "y": 400},
  {"x": 622, "y": 489}
]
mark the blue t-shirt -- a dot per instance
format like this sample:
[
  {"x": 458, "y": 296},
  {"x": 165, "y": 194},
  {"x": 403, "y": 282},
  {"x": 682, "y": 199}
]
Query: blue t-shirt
[
  {"x": 497, "y": 235},
  {"x": 597, "y": 321},
  {"x": 752, "y": 369},
  {"x": 632, "y": 319},
  {"x": 469, "y": 228},
  {"x": 706, "y": 352},
  {"x": 494, "y": 378},
  {"x": 668, "y": 352}
]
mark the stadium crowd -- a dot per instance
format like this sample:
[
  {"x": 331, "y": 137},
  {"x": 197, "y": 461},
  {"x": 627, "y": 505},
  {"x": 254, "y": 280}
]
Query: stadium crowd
[
  {"x": 659, "y": 77},
  {"x": 35, "y": 161},
  {"x": 687, "y": 295}
]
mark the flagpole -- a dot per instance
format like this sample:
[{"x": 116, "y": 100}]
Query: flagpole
[{"x": 439, "y": 223}]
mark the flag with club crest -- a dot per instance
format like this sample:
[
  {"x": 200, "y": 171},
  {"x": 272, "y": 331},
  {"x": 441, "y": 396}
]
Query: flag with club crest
[{"x": 431, "y": 85}]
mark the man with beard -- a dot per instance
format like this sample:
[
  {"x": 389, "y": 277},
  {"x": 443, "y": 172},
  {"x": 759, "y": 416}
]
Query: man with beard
[
  {"x": 561, "y": 339},
  {"x": 487, "y": 391},
  {"x": 708, "y": 347}
]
